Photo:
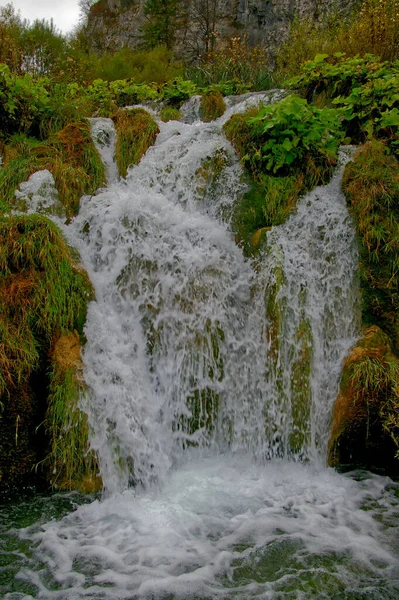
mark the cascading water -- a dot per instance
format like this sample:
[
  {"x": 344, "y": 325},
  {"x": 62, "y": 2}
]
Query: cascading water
[{"x": 201, "y": 367}]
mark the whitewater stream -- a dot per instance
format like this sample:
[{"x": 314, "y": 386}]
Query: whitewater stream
[{"x": 212, "y": 379}]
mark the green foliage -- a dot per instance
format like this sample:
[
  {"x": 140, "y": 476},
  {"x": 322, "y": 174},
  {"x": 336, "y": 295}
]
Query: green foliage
[
  {"x": 289, "y": 147},
  {"x": 371, "y": 184},
  {"x": 43, "y": 46},
  {"x": 371, "y": 27},
  {"x": 365, "y": 89},
  {"x": 335, "y": 75},
  {"x": 22, "y": 101},
  {"x": 177, "y": 91},
  {"x": 136, "y": 132},
  {"x": 285, "y": 135}
]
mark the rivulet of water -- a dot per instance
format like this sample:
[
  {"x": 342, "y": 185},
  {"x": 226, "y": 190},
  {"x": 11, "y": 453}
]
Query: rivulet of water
[{"x": 212, "y": 381}]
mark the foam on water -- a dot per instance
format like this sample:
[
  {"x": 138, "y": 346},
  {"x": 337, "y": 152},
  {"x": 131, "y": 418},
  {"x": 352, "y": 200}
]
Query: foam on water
[
  {"x": 104, "y": 138},
  {"x": 224, "y": 527}
]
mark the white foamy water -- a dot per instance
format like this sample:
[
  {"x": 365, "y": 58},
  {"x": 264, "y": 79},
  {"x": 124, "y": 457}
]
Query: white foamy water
[
  {"x": 39, "y": 194},
  {"x": 210, "y": 379},
  {"x": 104, "y": 138},
  {"x": 224, "y": 527}
]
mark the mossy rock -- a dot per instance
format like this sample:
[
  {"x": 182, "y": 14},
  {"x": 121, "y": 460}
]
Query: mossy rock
[
  {"x": 365, "y": 422},
  {"x": 136, "y": 131},
  {"x": 213, "y": 106},
  {"x": 70, "y": 156},
  {"x": 371, "y": 185},
  {"x": 70, "y": 463},
  {"x": 43, "y": 298},
  {"x": 169, "y": 113}
]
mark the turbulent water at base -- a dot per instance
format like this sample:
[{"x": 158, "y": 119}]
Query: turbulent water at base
[{"x": 212, "y": 381}]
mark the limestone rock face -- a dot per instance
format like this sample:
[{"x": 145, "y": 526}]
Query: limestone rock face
[
  {"x": 362, "y": 427},
  {"x": 115, "y": 23}
]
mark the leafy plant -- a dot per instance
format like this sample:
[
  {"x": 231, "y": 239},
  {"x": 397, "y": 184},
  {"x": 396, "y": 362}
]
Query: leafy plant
[
  {"x": 283, "y": 135},
  {"x": 177, "y": 91}
]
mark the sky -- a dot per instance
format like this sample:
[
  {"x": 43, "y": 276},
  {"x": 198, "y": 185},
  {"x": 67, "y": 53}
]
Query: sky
[{"x": 65, "y": 13}]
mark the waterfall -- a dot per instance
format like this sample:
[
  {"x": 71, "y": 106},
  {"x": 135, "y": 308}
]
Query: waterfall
[
  {"x": 188, "y": 345},
  {"x": 212, "y": 380},
  {"x": 104, "y": 138}
]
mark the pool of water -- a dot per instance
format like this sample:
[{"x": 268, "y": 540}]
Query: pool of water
[{"x": 219, "y": 527}]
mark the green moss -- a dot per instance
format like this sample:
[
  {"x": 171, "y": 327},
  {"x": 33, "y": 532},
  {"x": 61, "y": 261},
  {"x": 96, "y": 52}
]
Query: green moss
[
  {"x": 269, "y": 201},
  {"x": 209, "y": 173},
  {"x": 300, "y": 389},
  {"x": 365, "y": 428},
  {"x": 371, "y": 184},
  {"x": 288, "y": 148},
  {"x": 212, "y": 106},
  {"x": 71, "y": 464},
  {"x": 168, "y": 113},
  {"x": 43, "y": 293},
  {"x": 136, "y": 131}
]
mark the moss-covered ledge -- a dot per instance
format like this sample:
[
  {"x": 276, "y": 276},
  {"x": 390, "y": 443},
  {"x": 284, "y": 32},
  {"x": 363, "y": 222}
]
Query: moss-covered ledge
[
  {"x": 43, "y": 302},
  {"x": 71, "y": 157},
  {"x": 365, "y": 426},
  {"x": 288, "y": 148},
  {"x": 136, "y": 131}
]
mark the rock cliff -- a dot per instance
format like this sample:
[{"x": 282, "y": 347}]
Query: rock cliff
[{"x": 117, "y": 23}]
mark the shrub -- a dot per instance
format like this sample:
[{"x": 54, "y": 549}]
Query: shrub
[{"x": 288, "y": 135}]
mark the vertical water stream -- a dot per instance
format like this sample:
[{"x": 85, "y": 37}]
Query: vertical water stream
[{"x": 212, "y": 383}]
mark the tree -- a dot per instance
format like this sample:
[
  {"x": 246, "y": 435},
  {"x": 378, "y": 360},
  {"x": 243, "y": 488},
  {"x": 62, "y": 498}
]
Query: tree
[
  {"x": 164, "y": 19},
  {"x": 11, "y": 28},
  {"x": 205, "y": 15},
  {"x": 43, "y": 46}
]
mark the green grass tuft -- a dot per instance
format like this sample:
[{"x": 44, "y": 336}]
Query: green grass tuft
[{"x": 136, "y": 132}]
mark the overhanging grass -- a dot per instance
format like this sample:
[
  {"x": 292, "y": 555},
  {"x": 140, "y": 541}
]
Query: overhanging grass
[
  {"x": 371, "y": 184},
  {"x": 43, "y": 296},
  {"x": 136, "y": 131},
  {"x": 212, "y": 106},
  {"x": 70, "y": 156}
]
